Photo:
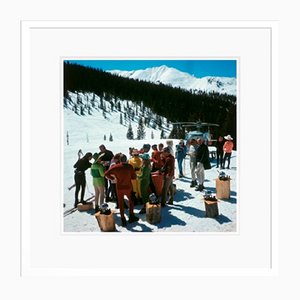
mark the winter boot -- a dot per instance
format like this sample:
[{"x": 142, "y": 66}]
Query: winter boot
[
  {"x": 193, "y": 183},
  {"x": 199, "y": 188},
  {"x": 134, "y": 199},
  {"x": 123, "y": 222},
  {"x": 143, "y": 210},
  {"x": 97, "y": 209},
  {"x": 170, "y": 201},
  {"x": 132, "y": 218}
]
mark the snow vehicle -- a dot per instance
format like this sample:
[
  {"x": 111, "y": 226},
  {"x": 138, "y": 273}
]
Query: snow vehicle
[{"x": 203, "y": 130}]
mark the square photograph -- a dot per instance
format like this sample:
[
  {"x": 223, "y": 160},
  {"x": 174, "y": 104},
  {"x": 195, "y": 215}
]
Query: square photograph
[{"x": 150, "y": 146}]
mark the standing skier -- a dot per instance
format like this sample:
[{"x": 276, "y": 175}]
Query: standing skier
[
  {"x": 168, "y": 171},
  {"x": 97, "y": 172},
  {"x": 80, "y": 182},
  {"x": 220, "y": 151},
  {"x": 180, "y": 154},
  {"x": 106, "y": 159},
  {"x": 203, "y": 163},
  {"x": 228, "y": 146},
  {"x": 193, "y": 163}
]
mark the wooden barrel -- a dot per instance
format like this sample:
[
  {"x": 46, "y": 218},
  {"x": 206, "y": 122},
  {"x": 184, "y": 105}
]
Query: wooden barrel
[
  {"x": 223, "y": 189},
  {"x": 85, "y": 207},
  {"x": 158, "y": 181},
  {"x": 153, "y": 213},
  {"x": 211, "y": 209},
  {"x": 106, "y": 222}
]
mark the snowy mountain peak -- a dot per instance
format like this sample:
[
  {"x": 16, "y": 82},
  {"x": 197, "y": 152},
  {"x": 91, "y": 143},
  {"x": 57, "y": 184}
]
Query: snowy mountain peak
[{"x": 176, "y": 78}]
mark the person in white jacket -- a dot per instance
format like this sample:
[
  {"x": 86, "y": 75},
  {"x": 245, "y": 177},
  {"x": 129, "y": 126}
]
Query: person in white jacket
[{"x": 193, "y": 162}]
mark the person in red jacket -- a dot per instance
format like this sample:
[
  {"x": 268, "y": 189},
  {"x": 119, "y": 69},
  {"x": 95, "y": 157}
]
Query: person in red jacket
[
  {"x": 228, "y": 146},
  {"x": 122, "y": 173},
  {"x": 156, "y": 159}
]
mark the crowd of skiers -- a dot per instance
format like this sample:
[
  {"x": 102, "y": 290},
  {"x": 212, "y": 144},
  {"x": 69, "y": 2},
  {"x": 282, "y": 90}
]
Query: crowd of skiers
[{"x": 116, "y": 176}]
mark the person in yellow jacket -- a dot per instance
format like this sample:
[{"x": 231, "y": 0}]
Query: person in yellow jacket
[
  {"x": 228, "y": 146},
  {"x": 136, "y": 163}
]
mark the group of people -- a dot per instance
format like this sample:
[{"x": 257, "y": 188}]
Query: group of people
[
  {"x": 115, "y": 176},
  {"x": 199, "y": 158}
]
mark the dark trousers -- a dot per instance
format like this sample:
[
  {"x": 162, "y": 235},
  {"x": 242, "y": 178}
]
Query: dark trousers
[
  {"x": 226, "y": 156},
  {"x": 220, "y": 158},
  {"x": 113, "y": 189},
  {"x": 80, "y": 183},
  {"x": 107, "y": 186}
]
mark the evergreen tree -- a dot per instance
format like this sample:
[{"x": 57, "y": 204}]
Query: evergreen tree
[
  {"x": 158, "y": 121},
  {"x": 110, "y": 137},
  {"x": 112, "y": 106},
  {"x": 129, "y": 134},
  {"x": 141, "y": 133},
  {"x": 75, "y": 108},
  {"x": 119, "y": 106},
  {"x": 162, "y": 134},
  {"x": 89, "y": 110},
  {"x": 93, "y": 101},
  {"x": 104, "y": 137},
  {"x": 81, "y": 110},
  {"x": 101, "y": 103},
  {"x": 121, "y": 119},
  {"x": 152, "y": 135},
  {"x": 79, "y": 99}
]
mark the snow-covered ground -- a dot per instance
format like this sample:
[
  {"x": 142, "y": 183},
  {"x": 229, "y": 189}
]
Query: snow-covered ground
[{"x": 187, "y": 214}]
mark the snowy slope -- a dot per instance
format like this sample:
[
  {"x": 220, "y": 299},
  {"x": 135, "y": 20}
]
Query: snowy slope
[
  {"x": 186, "y": 215},
  {"x": 176, "y": 78}
]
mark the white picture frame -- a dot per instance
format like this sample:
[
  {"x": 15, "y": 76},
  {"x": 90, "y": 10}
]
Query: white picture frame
[{"x": 45, "y": 250}]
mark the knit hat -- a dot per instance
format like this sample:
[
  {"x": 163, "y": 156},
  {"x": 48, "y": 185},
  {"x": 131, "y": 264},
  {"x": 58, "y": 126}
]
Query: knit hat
[
  {"x": 166, "y": 149},
  {"x": 146, "y": 147},
  {"x": 97, "y": 156}
]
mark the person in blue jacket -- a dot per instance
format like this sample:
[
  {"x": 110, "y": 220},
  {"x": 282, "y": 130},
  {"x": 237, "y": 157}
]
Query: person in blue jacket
[{"x": 180, "y": 154}]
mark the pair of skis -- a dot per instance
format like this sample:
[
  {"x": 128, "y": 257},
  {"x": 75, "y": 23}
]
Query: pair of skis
[{"x": 71, "y": 210}]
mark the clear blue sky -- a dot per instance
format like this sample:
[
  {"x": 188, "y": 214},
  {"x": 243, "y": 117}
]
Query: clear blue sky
[{"x": 198, "y": 68}]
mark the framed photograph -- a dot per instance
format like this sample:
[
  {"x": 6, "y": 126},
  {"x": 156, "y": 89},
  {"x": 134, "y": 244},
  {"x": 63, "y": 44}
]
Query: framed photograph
[
  {"x": 127, "y": 85},
  {"x": 138, "y": 108}
]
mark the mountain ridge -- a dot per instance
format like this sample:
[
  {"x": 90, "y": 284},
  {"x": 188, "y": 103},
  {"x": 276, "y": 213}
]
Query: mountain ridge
[{"x": 176, "y": 78}]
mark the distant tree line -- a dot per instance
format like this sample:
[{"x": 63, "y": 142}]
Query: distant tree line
[{"x": 176, "y": 104}]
